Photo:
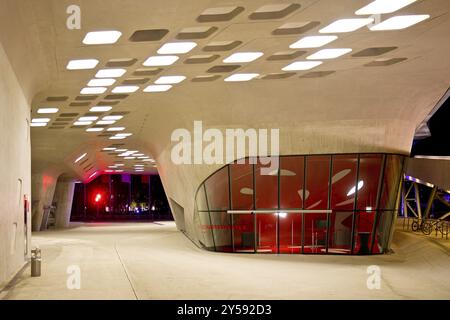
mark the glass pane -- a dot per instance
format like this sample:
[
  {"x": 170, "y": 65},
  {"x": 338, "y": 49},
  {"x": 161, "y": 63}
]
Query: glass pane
[
  {"x": 266, "y": 181},
  {"x": 201, "y": 199},
  {"x": 291, "y": 182},
  {"x": 317, "y": 180},
  {"x": 384, "y": 225},
  {"x": 266, "y": 225},
  {"x": 206, "y": 239},
  {"x": 221, "y": 226},
  {"x": 242, "y": 186},
  {"x": 340, "y": 240},
  {"x": 243, "y": 233},
  {"x": 369, "y": 173},
  {"x": 217, "y": 190},
  {"x": 315, "y": 231},
  {"x": 290, "y": 228},
  {"x": 391, "y": 178},
  {"x": 343, "y": 182},
  {"x": 363, "y": 232}
]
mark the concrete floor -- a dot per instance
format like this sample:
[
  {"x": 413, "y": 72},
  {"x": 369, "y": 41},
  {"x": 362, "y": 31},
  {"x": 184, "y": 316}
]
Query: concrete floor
[{"x": 155, "y": 261}]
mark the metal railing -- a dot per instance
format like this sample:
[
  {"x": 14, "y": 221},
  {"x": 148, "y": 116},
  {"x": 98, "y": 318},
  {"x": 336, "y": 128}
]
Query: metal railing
[{"x": 430, "y": 227}]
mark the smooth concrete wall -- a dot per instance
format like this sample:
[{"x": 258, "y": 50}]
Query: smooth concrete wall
[
  {"x": 43, "y": 190},
  {"x": 436, "y": 172},
  {"x": 14, "y": 171},
  {"x": 63, "y": 199}
]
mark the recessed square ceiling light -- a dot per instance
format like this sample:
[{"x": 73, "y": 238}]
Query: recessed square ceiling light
[
  {"x": 94, "y": 129},
  {"x": 239, "y": 57},
  {"x": 399, "y": 22},
  {"x": 301, "y": 65},
  {"x": 82, "y": 123},
  {"x": 125, "y": 89},
  {"x": 38, "y": 124},
  {"x": 383, "y": 6},
  {"x": 93, "y": 90},
  {"x": 102, "y": 37},
  {"x": 329, "y": 54},
  {"x": 346, "y": 25},
  {"x": 83, "y": 64},
  {"x": 155, "y": 61},
  {"x": 170, "y": 79},
  {"x": 116, "y": 129},
  {"x": 112, "y": 117},
  {"x": 110, "y": 73},
  {"x": 158, "y": 88},
  {"x": 101, "y": 82},
  {"x": 100, "y": 109},
  {"x": 40, "y": 120},
  {"x": 177, "y": 47},
  {"x": 105, "y": 122},
  {"x": 47, "y": 110},
  {"x": 312, "y": 42},
  {"x": 241, "y": 77}
]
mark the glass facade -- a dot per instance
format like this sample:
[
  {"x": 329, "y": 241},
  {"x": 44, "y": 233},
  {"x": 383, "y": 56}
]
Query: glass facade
[
  {"x": 312, "y": 204},
  {"x": 120, "y": 196}
]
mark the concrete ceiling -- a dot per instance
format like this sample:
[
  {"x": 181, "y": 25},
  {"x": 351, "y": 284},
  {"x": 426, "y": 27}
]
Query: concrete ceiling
[{"x": 381, "y": 104}]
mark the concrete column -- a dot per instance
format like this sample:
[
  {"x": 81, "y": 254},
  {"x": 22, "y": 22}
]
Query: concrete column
[
  {"x": 43, "y": 189},
  {"x": 63, "y": 199}
]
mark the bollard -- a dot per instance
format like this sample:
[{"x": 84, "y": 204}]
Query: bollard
[{"x": 36, "y": 262}]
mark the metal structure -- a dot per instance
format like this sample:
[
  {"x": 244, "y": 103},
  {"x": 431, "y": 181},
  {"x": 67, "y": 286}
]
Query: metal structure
[{"x": 418, "y": 199}]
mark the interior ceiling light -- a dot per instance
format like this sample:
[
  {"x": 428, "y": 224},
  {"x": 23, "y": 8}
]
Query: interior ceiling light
[
  {"x": 119, "y": 164},
  {"x": 100, "y": 109},
  {"x": 101, "y": 82},
  {"x": 353, "y": 189},
  {"x": 329, "y": 54},
  {"x": 94, "y": 129},
  {"x": 123, "y": 134},
  {"x": 312, "y": 42},
  {"x": 116, "y": 129},
  {"x": 105, "y": 122},
  {"x": 129, "y": 158},
  {"x": 383, "y": 6},
  {"x": 240, "y": 57},
  {"x": 110, "y": 73},
  {"x": 92, "y": 175},
  {"x": 121, "y": 150},
  {"x": 155, "y": 61},
  {"x": 399, "y": 22},
  {"x": 82, "y": 123},
  {"x": 102, "y": 37},
  {"x": 116, "y": 138},
  {"x": 241, "y": 77},
  {"x": 93, "y": 90},
  {"x": 80, "y": 157},
  {"x": 38, "y": 124},
  {"x": 83, "y": 64},
  {"x": 158, "y": 88},
  {"x": 125, "y": 89},
  {"x": 177, "y": 47},
  {"x": 47, "y": 110},
  {"x": 302, "y": 65},
  {"x": 40, "y": 120},
  {"x": 112, "y": 117},
  {"x": 109, "y": 149},
  {"x": 170, "y": 79},
  {"x": 87, "y": 118},
  {"x": 346, "y": 25}
]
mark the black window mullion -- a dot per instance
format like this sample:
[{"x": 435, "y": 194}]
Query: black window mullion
[{"x": 355, "y": 206}]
